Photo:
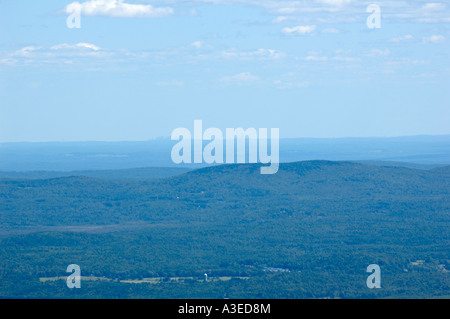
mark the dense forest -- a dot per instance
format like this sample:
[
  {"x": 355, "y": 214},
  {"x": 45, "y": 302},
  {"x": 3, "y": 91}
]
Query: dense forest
[{"x": 309, "y": 231}]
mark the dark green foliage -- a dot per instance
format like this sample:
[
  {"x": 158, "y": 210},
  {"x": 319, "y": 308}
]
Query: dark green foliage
[{"x": 324, "y": 221}]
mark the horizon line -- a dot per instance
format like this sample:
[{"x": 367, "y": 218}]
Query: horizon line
[{"x": 163, "y": 138}]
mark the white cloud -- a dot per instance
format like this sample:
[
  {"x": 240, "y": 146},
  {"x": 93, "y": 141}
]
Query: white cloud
[
  {"x": 87, "y": 46},
  {"x": 260, "y": 54},
  {"x": 63, "y": 53},
  {"x": 434, "y": 39},
  {"x": 81, "y": 45},
  {"x": 398, "y": 63},
  {"x": 26, "y": 51},
  {"x": 117, "y": 8},
  {"x": 197, "y": 44},
  {"x": 316, "y": 58},
  {"x": 287, "y": 10},
  {"x": 301, "y": 29},
  {"x": 433, "y": 6},
  {"x": 338, "y": 11},
  {"x": 331, "y": 31},
  {"x": 337, "y": 3},
  {"x": 241, "y": 78},
  {"x": 280, "y": 19},
  {"x": 286, "y": 84},
  {"x": 8, "y": 61},
  {"x": 378, "y": 53},
  {"x": 347, "y": 59},
  {"x": 402, "y": 38}
]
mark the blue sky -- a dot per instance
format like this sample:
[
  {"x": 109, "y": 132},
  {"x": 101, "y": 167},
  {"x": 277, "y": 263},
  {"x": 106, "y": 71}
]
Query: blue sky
[{"x": 136, "y": 70}]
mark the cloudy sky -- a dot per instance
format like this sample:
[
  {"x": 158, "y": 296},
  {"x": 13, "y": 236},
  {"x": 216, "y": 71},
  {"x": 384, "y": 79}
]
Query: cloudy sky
[{"x": 136, "y": 70}]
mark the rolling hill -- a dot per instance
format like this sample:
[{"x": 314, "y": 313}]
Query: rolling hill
[{"x": 322, "y": 221}]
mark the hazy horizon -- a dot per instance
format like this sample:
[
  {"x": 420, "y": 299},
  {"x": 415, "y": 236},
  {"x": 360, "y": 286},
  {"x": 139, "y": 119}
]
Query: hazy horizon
[{"x": 164, "y": 138}]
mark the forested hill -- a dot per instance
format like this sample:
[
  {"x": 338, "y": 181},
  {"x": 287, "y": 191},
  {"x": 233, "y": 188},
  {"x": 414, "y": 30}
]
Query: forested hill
[
  {"x": 221, "y": 190},
  {"x": 445, "y": 170},
  {"x": 309, "y": 231},
  {"x": 315, "y": 178},
  {"x": 144, "y": 173}
]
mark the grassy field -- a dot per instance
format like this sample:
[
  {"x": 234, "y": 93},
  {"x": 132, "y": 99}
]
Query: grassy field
[{"x": 153, "y": 280}]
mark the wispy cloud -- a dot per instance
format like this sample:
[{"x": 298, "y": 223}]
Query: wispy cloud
[
  {"x": 287, "y": 10},
  {"x": 260, "y": 54},
  {"x": 195, "y": 52},
  {"x": 433, "y": 6},
  {"x": 280, "y": 19},
  {"x": 335, "y": 2},
  {"x": 374, "y": 53},
  {"x": 60, "y": 53},
  {"x": 81, "y": 45},
  {"x": 316, "y": 58},
  {"x": 240, "y": 79},
  {"x": 301, "y": 29},
  {"x": 402, "y": 38},
  {"x": 117, "y": 8},
  {"x": 286, "y": 84},
  {"x": 197, "y": 44},
  {"x": 25, "y": 52},
  {"x": 434, "y": 39},
  {"x": 331, "y": 31},
  {"x": 339, "y": 11}
]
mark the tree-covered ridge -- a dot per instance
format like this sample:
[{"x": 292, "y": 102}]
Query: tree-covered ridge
[{"x": 323, "y": 221}]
